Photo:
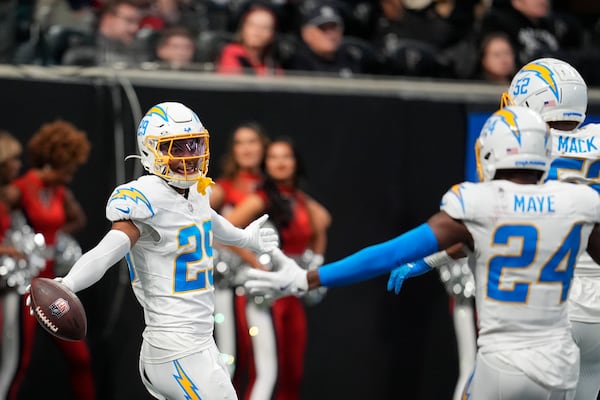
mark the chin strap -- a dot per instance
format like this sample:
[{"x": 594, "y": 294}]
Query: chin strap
[
  {"x": 506, "y": 100},
  {"x": 203, "y": 183}
]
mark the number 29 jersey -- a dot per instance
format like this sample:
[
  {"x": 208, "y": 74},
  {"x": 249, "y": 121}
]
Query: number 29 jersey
[
  {"x": 526, "y": 241},
  {"x": 170, "y": 266}
]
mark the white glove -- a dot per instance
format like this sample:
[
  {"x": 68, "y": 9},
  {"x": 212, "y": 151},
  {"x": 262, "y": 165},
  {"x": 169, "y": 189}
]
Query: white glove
[
  {"x": 316, "y": 261},
  {"x": 261, "y": 240},
  {"x": 290, "y": 279}
]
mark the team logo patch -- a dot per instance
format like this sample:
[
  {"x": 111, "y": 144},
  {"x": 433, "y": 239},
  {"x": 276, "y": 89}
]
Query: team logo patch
[
  {"x": 132, "y": 194},
  {"x": 59, "y": 308}
]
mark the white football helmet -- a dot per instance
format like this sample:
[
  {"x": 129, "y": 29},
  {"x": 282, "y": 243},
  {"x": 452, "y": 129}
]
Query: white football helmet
[
  {"x": 550, "y": 87},
  {"x": 513, "y": 138},
  {"x": 173, "y": 144}
]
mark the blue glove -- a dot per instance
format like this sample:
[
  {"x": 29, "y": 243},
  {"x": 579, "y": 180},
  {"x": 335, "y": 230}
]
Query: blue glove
[{"x": 404, "y": 271}]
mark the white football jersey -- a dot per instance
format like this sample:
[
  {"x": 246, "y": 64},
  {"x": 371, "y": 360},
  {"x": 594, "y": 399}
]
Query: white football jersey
[
  {"x": 577, "y": 159},
  {"x": 527, "y": 239},
  {"x": 170, "y": 266}
]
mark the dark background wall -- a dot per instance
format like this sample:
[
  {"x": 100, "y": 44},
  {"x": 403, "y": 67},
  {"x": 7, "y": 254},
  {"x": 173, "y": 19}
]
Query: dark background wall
[{"x": 379, "y": 163}]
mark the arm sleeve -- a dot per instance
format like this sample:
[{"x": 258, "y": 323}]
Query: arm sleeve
[
  {"x": 380, "y": 258},
  {"x": 226, "y": 233},
  {"x": 93, "y": 265}
]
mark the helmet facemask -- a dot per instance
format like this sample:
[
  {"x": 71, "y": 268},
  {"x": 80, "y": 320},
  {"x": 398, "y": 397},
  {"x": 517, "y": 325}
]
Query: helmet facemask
[
  {"x": 181, "y": 160},
  {"x": 506, "y": 100}
]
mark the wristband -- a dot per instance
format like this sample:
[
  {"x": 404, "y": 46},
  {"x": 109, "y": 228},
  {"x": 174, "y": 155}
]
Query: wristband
[{"x": 438, "y": 259}]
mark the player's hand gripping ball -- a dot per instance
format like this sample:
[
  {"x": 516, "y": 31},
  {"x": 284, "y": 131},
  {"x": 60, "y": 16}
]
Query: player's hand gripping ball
[{"x": 57, "y": 309}]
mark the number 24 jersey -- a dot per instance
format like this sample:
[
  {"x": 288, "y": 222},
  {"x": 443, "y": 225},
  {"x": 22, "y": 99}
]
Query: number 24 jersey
[{"x": 527, "y": 240}]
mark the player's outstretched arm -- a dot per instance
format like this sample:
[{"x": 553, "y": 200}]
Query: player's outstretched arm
[
  {"x": 365, "y": 264},
  {"x": 440, "y": 231},
  {"x": 92, "y": 266},
  {"x": 379, "y": 259},
  {"x": 254, "y": 236}
]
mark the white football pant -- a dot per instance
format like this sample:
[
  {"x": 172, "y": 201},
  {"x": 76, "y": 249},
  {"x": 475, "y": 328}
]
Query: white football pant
[
  {"x": 495, "y": 380},
  {"x": 587, "y": 337},
  {"x": 202, "y": 375}
]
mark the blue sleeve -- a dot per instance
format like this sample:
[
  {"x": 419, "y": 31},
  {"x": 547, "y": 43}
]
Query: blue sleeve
[{"x": 381, "y": 258}]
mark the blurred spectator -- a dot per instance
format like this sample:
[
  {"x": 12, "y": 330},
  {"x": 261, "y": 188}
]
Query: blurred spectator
[
  {"x": 76, "y": 14},
  {"x": 51, "y": 26},
  {"x": 497, "y": 59},
  {"x": 534, "y": 30},
  {"x": 254, "y": 49},
  {"x": 175, "y": 48},
  {"x": 589, "y": 58},
  {"x": 437, "y": 22},
  {"x": 160, "y": 14},
  {"x": 421, "y": 37},
  {"x": 115, "y": 41},
  {"x": 359, "y": 17},
  {"x": 8, "y": 29},
  {"x": 322, "y": 48}
]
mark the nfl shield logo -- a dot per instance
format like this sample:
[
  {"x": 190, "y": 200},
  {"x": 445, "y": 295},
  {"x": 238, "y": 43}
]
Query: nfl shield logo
[{"x": 60, "y": 307}]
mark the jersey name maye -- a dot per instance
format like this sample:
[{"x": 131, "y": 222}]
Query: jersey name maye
[{"x": 535, "y": 204}]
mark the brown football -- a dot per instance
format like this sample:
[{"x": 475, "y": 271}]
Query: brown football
[{"x": 57, "y": 309}]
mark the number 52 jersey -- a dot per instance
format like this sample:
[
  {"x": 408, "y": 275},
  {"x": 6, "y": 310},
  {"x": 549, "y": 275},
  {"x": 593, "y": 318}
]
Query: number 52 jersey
[
  {"x": 576, "y": 158},
  {"x": 527, "y": 239}
]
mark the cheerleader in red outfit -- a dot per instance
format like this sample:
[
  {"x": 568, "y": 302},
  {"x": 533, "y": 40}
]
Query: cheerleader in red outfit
[
  {"x": 10, "y": 165},
  {"x": 55, "y": 152},
  {"x": 241, "y": 176},
  {"x": 279, "y": 331}
]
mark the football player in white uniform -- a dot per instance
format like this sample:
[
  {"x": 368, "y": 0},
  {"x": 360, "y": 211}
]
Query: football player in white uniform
[
  {"x": 163, "y": 225},
  {"x": 558, "y": 92},
  {"x": 525, "y": 237}
]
